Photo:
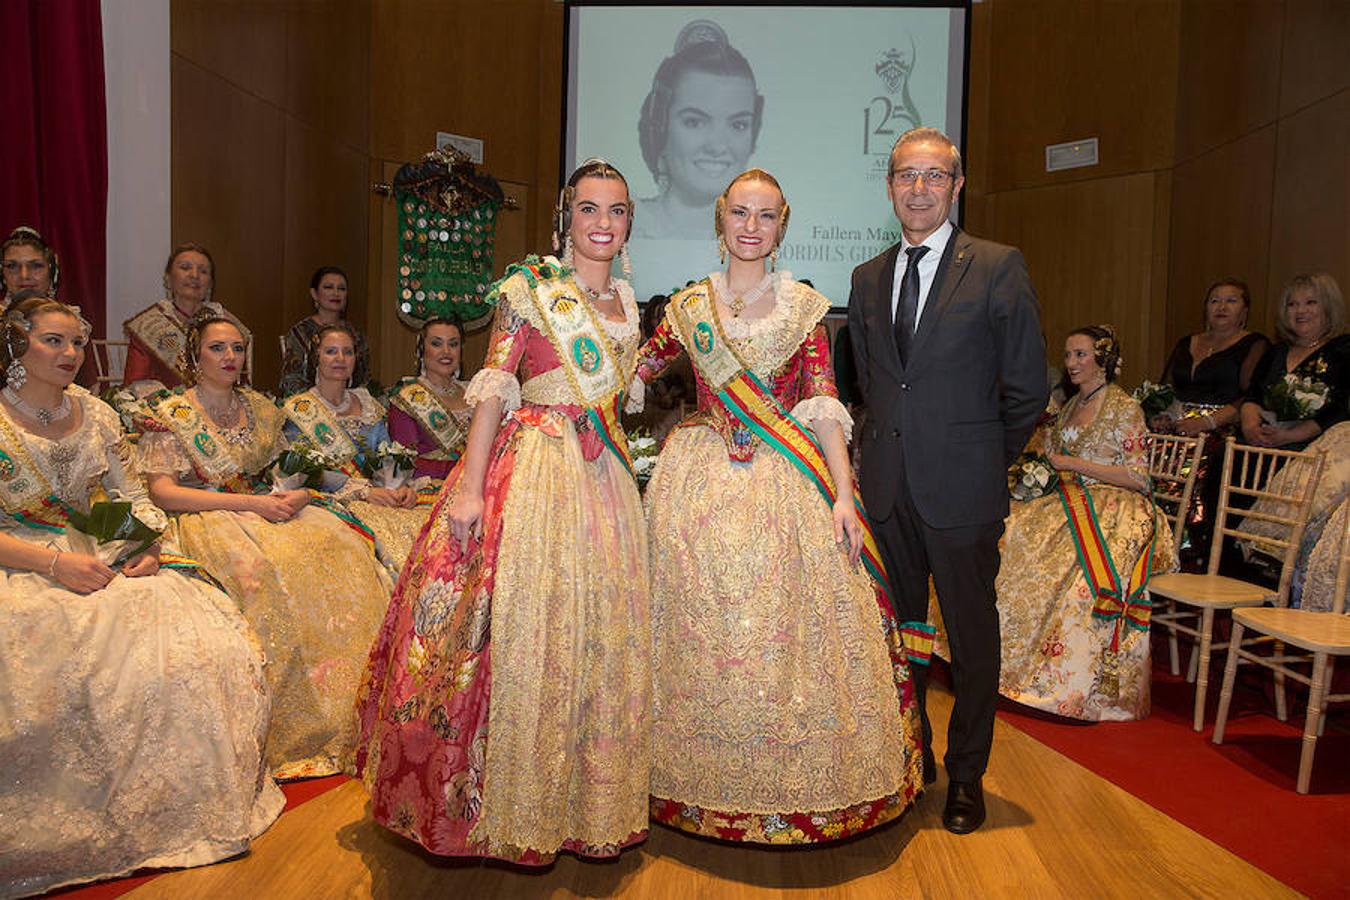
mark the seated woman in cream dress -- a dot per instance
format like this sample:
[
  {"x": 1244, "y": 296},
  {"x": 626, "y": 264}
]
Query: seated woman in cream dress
[
  {"x": 303, "y": 573},
  {"x": 347, "y": 426},
  {"x": 783, "y": 710},
  {"x": 1068, "y": 648},
  {"x": 132, "y": 703}
]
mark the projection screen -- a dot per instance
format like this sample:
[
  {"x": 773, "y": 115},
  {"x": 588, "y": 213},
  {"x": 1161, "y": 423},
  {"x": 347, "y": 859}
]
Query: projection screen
[{"x": 684, "y": 97}]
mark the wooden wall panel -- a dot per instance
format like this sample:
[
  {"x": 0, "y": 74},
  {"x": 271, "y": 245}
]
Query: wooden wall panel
[
  {"x": 325, "y": 219},
  {"x": 1229, "y": 80},
  {"x": 1221, "y": 206},
  {"x": 228, "y": 151},
  {"x": 1310, "y": 223},
  {"x": 242, "y": 41},
  {"x": 328, "y": 69},
  {"x": 1067, "y": 69},
  {"x": 1316, "y": 58},
  {"x": 1089, "y": 246}
]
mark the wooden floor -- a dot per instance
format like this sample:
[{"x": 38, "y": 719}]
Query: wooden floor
[{"x": 1054, "y": 830}]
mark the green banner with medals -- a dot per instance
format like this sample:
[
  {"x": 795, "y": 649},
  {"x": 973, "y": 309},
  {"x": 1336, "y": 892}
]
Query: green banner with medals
[{"x": 447, "y": 218}]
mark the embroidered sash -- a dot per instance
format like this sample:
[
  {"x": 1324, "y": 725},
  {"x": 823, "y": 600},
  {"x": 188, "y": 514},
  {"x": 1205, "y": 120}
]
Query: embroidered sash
[
  {"x": 197, "y": 435},
  {"x": 164, "y": 336},
  {"x": 428, "y": 411},
  {"x": 28, "y": 498},
  {"x": 579, "y": 339},
  {"x": 1125, "y": 605},
  {"x": 25, "y": 494},
  {"x": 320, "y": 425},
  {"x": 744, "y": 396}
]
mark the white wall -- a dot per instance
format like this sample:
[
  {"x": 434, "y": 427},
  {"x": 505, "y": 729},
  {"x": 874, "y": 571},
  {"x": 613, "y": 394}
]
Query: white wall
[{"x": 136, "y": 70}]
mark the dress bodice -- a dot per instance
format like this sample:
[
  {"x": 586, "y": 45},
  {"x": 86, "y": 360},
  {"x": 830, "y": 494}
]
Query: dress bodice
[
  {"x": 788, "y": 350},
  {"x": 362, "y": 422},
  {"x": 96, "y": 454},
  {"x": 1216, "y": 379},
  {"x": 180, "y": 439},
  {"x": 1118, "y": 435}
]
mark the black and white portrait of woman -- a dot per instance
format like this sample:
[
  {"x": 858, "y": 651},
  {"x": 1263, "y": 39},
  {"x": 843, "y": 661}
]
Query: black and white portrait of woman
[{"x": 697, "y": 131}]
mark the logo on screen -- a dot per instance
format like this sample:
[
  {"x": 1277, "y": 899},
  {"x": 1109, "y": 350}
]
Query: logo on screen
[{"x": 888, "y": 116}]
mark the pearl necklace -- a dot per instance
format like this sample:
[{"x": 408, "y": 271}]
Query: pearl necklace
[
  {"x": 447, "y": 393},
  {"x": 737, "y": 304},
  {"x": 44, "y": 416},
  {"x": 341, "y": 404}
]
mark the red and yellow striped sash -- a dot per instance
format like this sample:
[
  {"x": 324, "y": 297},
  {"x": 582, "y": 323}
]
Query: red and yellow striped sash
[{"x": 1112, "y": 602}]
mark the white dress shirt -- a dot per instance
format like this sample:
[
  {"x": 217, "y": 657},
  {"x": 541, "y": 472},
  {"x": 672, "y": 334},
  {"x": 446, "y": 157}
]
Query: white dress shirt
[{"x": 928, "y": 266}]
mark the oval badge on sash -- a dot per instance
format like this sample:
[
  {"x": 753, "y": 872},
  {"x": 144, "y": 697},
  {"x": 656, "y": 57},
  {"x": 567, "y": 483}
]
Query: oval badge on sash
[{"x": 703, "y": 337}]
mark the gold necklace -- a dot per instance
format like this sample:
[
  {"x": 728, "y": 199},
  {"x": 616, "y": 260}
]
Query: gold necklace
[
  {"x": 223, "y": 417},
  {"x": 738, "y": 303}
]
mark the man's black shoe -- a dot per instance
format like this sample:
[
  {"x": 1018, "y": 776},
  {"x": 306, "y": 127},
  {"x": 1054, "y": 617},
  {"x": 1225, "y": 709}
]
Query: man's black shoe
[{"x": 964, "y": 811}]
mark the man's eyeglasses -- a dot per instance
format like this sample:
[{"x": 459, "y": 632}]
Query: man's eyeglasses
[{"x": 938, "y": 178}]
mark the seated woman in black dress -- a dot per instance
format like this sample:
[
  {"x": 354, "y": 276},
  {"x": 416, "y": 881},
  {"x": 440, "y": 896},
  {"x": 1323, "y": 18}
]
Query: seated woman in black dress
[
  {"x": 1211, "y": 371},
  {"x": 1313, "y": 346}
]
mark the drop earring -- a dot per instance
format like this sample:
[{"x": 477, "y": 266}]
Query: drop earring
[
  {"x": 15, "y": 375},
  {"x": 773, "y": 259},
  {"x": 567, "y": 252},
  {"x": 722, "y": 249},
  {"x": 625, "y": 264}
]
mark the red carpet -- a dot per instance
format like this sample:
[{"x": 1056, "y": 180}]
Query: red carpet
[
  {"x": 296, "y": 792},
  {"x": 1240, "y": 794}
]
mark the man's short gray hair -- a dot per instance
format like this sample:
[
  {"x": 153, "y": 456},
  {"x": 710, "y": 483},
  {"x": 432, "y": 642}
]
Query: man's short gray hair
[{"x": 926, "y": 135}]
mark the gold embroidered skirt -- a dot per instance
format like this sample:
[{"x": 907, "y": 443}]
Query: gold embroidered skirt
[
  {"x": 315, "y": 594},
  {"x": 778, "y": 715}
]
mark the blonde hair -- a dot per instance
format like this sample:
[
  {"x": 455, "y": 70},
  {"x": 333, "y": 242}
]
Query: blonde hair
[
  {"x": 1329, "y": 297},
  {"x": 784, "y": 210}
]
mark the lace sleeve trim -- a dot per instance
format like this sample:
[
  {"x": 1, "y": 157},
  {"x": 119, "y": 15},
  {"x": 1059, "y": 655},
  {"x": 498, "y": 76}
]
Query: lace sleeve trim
[
  {"x": 637, "y": 397},
  {"x": 494, "y": 383},
  {"x": 821, "y": 408}
]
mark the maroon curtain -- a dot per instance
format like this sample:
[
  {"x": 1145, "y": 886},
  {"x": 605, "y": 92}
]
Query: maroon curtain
[{"x": 54, "y": 146}]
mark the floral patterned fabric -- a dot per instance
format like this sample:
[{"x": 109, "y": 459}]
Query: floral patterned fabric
[
  {"x": 505, "y": 711},
  {"x": 315, "y": 628},
  {"x": 783, "y": 710},
  {"x": 1053, "y": 648},
  {"x": 133, "y": 717}
]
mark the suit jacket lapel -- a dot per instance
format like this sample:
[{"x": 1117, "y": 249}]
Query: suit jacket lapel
[
  {"x": 953, "y": 267},
  {"x": 883, "y": 298}
]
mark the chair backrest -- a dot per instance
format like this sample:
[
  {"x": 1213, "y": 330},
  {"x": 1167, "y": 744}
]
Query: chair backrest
[
  {"x": 1272, "y": 489},
  {"x": 1342, "y": 569},
  {"x": 1173, "y": 462},
  {"x": 110, "y": 359}
]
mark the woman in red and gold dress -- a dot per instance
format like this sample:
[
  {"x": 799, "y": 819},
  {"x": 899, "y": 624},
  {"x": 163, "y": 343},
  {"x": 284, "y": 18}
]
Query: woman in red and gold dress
[
  {"x": 505, "y": 712},
  {"x": 783, "y": 710}
]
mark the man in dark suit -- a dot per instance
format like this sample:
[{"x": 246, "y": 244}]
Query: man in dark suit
[{"x": 951, "y": 363}]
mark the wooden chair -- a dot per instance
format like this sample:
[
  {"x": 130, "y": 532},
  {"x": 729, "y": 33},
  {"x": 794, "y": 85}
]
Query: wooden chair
[
  {"x": 1246, "y": 476},
  {"x": 110, "y": 358},
  {"x": 1173, "y": 462},
  {"x": 1323, "y": 635}
]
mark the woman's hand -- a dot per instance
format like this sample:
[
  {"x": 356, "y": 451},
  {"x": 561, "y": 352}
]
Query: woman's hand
[
  {"x": 1062, "y": 462},
  {"x": 466, "y": 517},
  {"x": 82, "y": 574},
  {"x": 143, "y": 564},
  {"x": 297, "y": 499},
  {"x": 847, "y": 528},
  {"x": 402, "y": 497},
  {"x": 273, "y": 507},
  {"x": 1192, "y": 426}
]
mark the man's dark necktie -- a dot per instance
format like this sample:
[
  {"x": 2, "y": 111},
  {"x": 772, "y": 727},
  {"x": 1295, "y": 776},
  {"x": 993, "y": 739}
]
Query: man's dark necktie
[{"x": 907, "y": 309}]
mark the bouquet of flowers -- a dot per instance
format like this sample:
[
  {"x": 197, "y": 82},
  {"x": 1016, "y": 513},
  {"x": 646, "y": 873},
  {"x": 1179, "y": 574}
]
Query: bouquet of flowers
[
  {"x": 300, "y": 465},
  {"x": 110, "y": 532},
  {"x": 644, "y": 450},
  {"x": 390, "y": 466},
  {"x": 125, "y": 404},
  {"x": 1293, "y": 399},
  {"x": 1157, "y": 399},
  {"x": 1030, "y": 476}
]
